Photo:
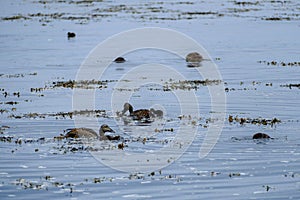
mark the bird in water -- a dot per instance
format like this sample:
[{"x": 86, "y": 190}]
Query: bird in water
[
  {"x": 137, "y": 114},
  {"x": 261, "y": 136},
  {"x": 91, "y": 134},
  {"x": 156, "y": 113}
]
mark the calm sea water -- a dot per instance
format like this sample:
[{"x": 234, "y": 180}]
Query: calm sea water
[{"x": 255, "y": 45}]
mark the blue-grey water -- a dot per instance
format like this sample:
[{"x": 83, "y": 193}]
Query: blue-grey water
[{"x": 255, "y": 45}]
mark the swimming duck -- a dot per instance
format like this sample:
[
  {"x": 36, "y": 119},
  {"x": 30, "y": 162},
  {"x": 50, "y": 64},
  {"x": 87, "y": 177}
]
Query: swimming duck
[
  {"x": 137, "y": 114},
  {"x": 156, "y": 113},
  {"x": 90, "y": 133},
  {"x": 261, "y": 136}
]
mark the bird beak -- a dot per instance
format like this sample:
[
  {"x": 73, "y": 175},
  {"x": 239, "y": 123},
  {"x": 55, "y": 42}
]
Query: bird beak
[
  {"x": 110, "y": 130},
  {"x": 124, "y": 111}
]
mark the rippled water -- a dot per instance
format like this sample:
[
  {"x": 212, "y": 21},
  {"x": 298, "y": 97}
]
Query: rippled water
[{"x": 254, "y": 44}]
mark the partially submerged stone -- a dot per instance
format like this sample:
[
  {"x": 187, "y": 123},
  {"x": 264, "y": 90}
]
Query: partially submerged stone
[
  {"x": 71, "y": 35},
  {"x": 193, "y": 59},
  {"x": 119, "y": 60},
  {"x": 261, "y": 136}
]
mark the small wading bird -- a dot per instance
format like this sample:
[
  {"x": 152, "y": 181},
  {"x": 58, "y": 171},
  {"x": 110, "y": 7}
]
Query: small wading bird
[
  {"x": 137, "y": 114},
  {"x": 261, "y": 136},
  {"x": 91, "y": 134}
]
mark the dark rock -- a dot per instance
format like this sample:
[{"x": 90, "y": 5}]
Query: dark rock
[
  {"x": 261, "y": 136},
  {"x": 119, "y": 60},
  {"x": 71, "y": 35}
]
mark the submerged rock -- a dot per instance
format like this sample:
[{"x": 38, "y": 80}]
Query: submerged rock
[{"x": 193, "y": 59}]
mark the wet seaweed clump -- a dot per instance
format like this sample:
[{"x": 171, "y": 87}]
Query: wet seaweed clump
[
  {"x": 234, "y": 174},
  {"x": 8, "y": 139},
  {"x": 43, "y": 183},
  {"x": 276, "y": 18},
  {"x": 291, "y": 85},
  {"x": 267, "y": 187},
  {"x": 3, "y": 128},
  {"x": 164, "y": 130},
  {"x": 83, "y": 84},
  {"x": 3, "y": 111},
  {"x": 188, "y": 84},
  {"x": 17, "y": 75},
  {"x": 11, "y": 139},
  {"x": 280, "y": 63},
  {"x": 255, "y": 121},
  {"x": 15, "y": 17},
  {"x": 64, "y": 115},
  {"x": 11, "y": 102},
  {"x": 245, "y": 3}
]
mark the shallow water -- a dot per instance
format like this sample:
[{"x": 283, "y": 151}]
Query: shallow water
[{"x": 241, "y": 38}]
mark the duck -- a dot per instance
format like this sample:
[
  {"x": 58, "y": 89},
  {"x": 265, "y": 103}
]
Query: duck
[
  {"x": 137, "y": 114},
  {"x": 261, "y": 136},
  {"x": 91, "y": 134},
  {"x": 156, "y": 113}
]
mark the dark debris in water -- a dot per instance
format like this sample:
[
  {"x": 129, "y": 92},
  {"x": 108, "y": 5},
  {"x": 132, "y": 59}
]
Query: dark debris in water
[
  {"x": 85, "y": 84},
  {"x": 234, "y": 174},
  {"x": 17, "y": 75},
  {"x": 188, "y": 84},
  {"x": 3, "y": 128},
  {"x": 158, "y": 11},
  {"x": 82, "y": 84},
  {"x": 277, "y": 18},
  {"x": 291, "y": 85},
  {"x": 255, "y": 121},
  {"x": 280, "y": 63},
  {"x": 12, "y": 139},
  {"x": 267, "y": 187},
  {"x": 246, "y": 3},
  {"x": 63, "y": 115}
]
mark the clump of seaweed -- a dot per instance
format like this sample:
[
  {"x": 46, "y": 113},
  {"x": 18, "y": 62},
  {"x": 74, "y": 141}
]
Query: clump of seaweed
[
  {"x": 255, "y": 121},
  {"x": 15, "y": 17},
  {"x": 291, "y": 85},
  {"x": 64, "y": 115},
  {"x": 3, "y": 128},
  {"x": 85, "y": 84},
  {"x": 188, "y": 84},
  {"x": 245, "y": 3},
  {"x": 17, "y": 75},
  {"x": 280, "y": 63},
  {"x": 276, "y": 18}
]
